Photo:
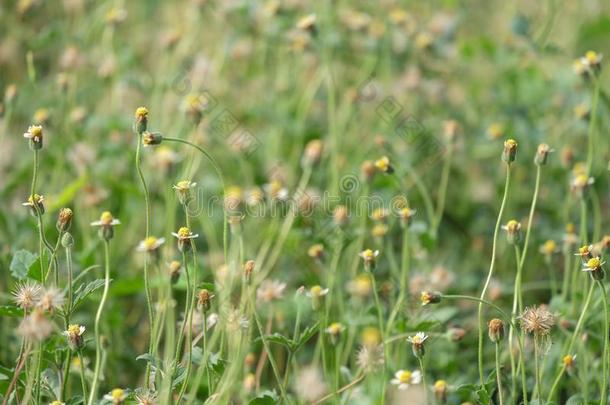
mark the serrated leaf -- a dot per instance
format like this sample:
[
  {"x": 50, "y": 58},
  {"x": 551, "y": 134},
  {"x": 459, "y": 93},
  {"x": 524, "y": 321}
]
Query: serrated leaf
[
  {"x": 84, "y": 290},
  {"x": 21, "y": 262},
  {"x": 216, "y": 363},
  {"x": 307, "y": 334}
]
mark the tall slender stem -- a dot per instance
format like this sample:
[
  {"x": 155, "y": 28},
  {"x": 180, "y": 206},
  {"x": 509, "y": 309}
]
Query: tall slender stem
[
  {"x": 382, "y": 332},
  {"x": 216, "y": 166},
  {"x": 604, "y": 395},
  {"x": 147, "y": 292},
  {"x": 498, "y": 374},
  {"x": 98, "y": 317},
  {"x": 490, "y": 273}
]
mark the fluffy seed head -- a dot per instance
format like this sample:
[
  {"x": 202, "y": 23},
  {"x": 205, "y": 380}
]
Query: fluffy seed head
[{"x": 537, "y": 320}]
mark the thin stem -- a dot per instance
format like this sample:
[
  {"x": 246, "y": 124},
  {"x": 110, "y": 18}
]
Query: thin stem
[
  {"x": 423, "y": 378},
  {"x": 146, "y": 275},
  {"x": 66, "y": 375},
  {"x": 382, "y": 332},
  {"x": 442, "y": 190},
  {"x": 498, "y": 375},
  {"x": 490, "y": 273},
  {"x": 404, "y": 279},
  {"x": 225, "y": 233},
  {"x": 346, "y": 387},
  {"x": 604, "y": 395},
  {"x": 35, "y": 174},
  {"x": 537, "y": 365},
  {"x": 189, "y": 332},
  {"x": 592, "y": 126},
  {"x": 82, "y": 374},
  {"x": 274, "y": 367},
  {"x": 98, "y": 317}
]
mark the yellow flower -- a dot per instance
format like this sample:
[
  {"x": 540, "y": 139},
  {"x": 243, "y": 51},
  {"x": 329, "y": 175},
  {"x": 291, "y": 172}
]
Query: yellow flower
[
  {"x": 141, "y": 112},
  {"x": 383, "y": 164}
]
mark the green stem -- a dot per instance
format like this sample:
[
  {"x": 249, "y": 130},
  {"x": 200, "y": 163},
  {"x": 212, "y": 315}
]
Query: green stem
[
  {"x": 146, "y": 275},
  {"x": 604, "y": 395},
  {"x": 592, "y": 126},
  {"x": 189, "y": 331},
  {"x": 498, "y": 375},
  {"x": 423, "y": 379},
  {"x": 66, "y": 375},
  {"x": 225, "y": 233},
  {"x": 82, "y": 374},
  {"x": 490, "y": 273},
  {"x": 442, "y": 190},
  {"x": 98, "y": 317},
  {"x": 382, "y": 332},
  {"x": 274, "y": 367}
]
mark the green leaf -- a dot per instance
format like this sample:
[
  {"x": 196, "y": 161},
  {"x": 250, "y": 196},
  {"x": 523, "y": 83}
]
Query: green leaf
[
  {"x": 9, "y": 310},
  {"x": 208, "y": 286},
  {"x": 21, "y": 262},
  {"x": 280, "y": 339},
  {"x": 265, "y": 398},
  {"x": 216, "y": 363},
  {"x": 35, "y": 271},
  {"x": 84, "y": 290},
  {"x": 306, "y": 335}
]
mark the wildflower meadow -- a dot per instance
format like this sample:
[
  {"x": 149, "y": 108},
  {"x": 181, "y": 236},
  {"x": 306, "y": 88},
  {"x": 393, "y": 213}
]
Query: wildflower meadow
[{"x": 304, "y": 202}]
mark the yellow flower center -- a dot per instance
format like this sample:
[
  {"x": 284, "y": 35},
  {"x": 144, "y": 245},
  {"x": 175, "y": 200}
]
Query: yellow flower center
[
  {"x": 583, "y": 251},
  {"x": 405, "y": 377},
  {"x": 117, "y": 394},
  {"x": 150, "y": 242},
  {"x": 581, "y": 180},
  {"x": 440, "y": 385},
  {"x": 370, "y": 336},
  {"x": 74, "y": 329},
  {"x": 425, "y": 297},
  {"x": 368, "y": 254},
  {"x": 183, "y": 185},
  {"x": 315, "y": 291},
  {"x": 106, "y": 218},
  {"x": 383, "y": 164},
  {"x": 335, "y": 328},
  {"x": 141, "y": 112},
  {"x": 568, "y": 360},
  {"x": 35, "y": 130},
  {"x": 184, "y": 232},
  {"x": 510, "y": 143},
  {"x": 34, "y": 199},
  {"x": 594, "y": 263},
  {"x": 512, "y": 225},
  {"x": 591, "y": 57},
  {"x": 549, "y": 247},
  {"x": 405, "y": 212},
  {"x": 56, "y": 402}
]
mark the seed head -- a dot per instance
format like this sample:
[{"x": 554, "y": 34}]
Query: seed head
[
  {"x": 270, "y": 290},
  {"x": 537, "y": 320},
  {"x": 151, "y": 138},
  {"x": 35, "y": 326},
  {"x": 26, "y": 295},
  {"x": 370, "y": 358},
  {"x": 204, "y": 300},
  {"x": 51, "y": 299},
  {"x": 248, "y": 270}
]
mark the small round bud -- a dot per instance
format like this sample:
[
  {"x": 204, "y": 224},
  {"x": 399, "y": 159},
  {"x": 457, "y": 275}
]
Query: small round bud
[
  {"x": 510, "y": 151},
  {"x": 368, "y": 170},
  {"x": 67, "y": 241},
  {"x": 417, "y": 344},
  {"x": 174, "y": 271},
  {"x": 440, "y": 391},
  {"x": 204, "y": 300},
  {"x": 495, "y": 328},
  {"x": 340, "y": 215}
]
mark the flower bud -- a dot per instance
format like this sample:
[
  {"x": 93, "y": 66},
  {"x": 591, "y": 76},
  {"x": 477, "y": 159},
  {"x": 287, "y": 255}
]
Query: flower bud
[
  {"x": 510, "y": 151},
  {"x": 542, "y": 154},
  {"x": 64, "y": 219},
  {"x": 495, "y": 329},
  {"x": 174, "y": 271},
  {"x": 204, "y": 300},
  {"x": 313, "y": 152},
  {"x": 368, "y": 170},
  {"x": 141, "y": 120},
  {"x": 417, "y": 344},
  {"x": 151, "y": 138},
  {"x": 430, "y": 297},
  {"x": 248, "y": 270},
  {"x": 74, "y": 334},
  {"x": 440, "y": 391},
  {"x": 513, "y": 231},
  {"x": 67, "y": 241},
  {"x": 36, "y": 204}
]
